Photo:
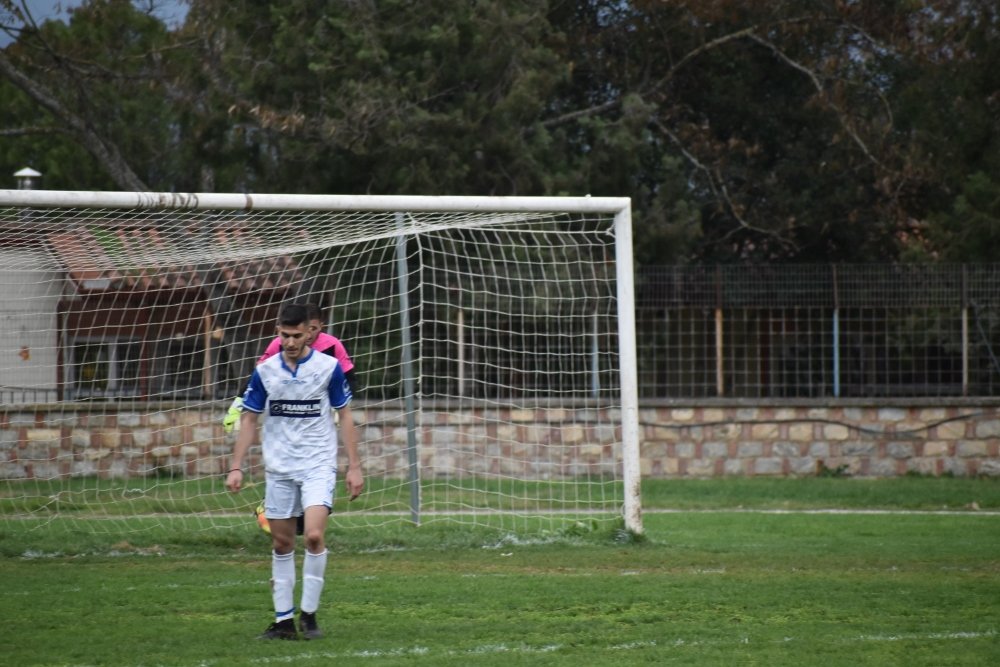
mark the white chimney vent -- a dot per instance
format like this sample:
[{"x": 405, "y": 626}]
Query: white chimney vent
[{"x": 27, "y": 178}]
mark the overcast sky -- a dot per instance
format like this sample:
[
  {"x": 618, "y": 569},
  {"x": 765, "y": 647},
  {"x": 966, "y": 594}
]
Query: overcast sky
[{"x": 171, "y": 11}]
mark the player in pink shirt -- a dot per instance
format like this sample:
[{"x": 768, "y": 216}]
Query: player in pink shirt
[{"x": 323, "y": 342}]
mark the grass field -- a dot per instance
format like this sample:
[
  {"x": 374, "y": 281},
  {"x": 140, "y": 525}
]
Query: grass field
[{"x": 730, "y": 572}]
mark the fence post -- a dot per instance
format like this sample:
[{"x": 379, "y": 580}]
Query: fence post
[
  {"x": 964, "y": 299},
  {"x": 720, "y": 385},
  {"x": 836, "y": 333}
]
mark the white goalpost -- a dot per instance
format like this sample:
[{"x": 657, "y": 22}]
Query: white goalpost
[{"x": 493, "y": 340}]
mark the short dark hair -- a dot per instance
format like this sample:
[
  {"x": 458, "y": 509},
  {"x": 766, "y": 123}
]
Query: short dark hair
[
  {"x": 293, "y": 314},
  {"x": 315, "y": 312}
]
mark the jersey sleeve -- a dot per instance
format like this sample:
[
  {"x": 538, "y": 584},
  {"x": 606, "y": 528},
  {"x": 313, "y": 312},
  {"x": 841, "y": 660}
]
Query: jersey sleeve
[
  {"x": 272, "y": 349},
  {"x": 255, "y": 396},
  {"x": 339, "y": 390}
]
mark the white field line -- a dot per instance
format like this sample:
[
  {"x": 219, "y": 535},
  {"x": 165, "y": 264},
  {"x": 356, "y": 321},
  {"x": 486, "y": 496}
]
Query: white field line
[
  {"x": 520, "y": 649},
  {"x": 515, "y": 649},
  {"x": 669, "y": 510},
  {"x": 832, "y": 510},
  {"x": 581, "y": 512}
]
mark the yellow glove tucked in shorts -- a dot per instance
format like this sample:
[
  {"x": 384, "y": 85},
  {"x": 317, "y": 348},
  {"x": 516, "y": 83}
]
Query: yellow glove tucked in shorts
[{"x": 231, "y": 422}]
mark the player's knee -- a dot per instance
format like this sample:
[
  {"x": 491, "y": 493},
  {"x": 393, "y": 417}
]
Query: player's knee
[
  {"x": 314, "y": 539},
  {"x": 282, "y": 544}
]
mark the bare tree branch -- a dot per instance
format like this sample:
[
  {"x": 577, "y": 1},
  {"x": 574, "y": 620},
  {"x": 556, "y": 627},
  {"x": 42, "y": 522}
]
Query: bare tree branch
[
  {"x": 818, "y": 85},
  {"x": 29, "y": 130},
  {"x": 718, "y": 187},
  {"x": 104, "y": 150},
  {"x": 663, "y": 80}
]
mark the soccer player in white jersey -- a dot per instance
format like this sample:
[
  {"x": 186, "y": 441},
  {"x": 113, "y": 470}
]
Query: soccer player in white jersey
[{"x": 297, "y": 389}]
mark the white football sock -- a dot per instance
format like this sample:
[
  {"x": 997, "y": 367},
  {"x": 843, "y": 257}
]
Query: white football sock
[
  {"x": 313, "y": 569},
  {"x": 283, "y": 585}
]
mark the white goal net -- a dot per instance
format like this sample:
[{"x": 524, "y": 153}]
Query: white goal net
[{"x": 492, "y": 339}]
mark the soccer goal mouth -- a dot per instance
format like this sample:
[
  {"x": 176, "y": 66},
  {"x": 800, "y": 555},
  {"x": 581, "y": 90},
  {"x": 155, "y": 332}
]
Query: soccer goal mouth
[{"x": 493, "y": 342}]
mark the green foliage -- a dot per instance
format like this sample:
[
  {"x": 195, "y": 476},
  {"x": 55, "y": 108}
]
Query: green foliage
[
  {"x": 742, "y": 131},
  {"x": 839, "y": 471},
  {"x": 428, "y": 102},
  {"x": 37, "y": 141},
  {"x": 103, "y": 68},
  {"x": 970, "y": 231}
]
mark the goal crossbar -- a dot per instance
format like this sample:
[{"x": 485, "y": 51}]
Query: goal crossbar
[{"x": 277, "y": 202}]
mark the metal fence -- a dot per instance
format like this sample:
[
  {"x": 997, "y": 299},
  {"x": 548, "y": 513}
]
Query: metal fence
[
  {"x": 799, "y": 331},
  {"x": 774, "y": 332}
]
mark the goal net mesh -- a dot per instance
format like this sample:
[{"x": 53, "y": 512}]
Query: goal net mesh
[{"x": 485, "y": 346}]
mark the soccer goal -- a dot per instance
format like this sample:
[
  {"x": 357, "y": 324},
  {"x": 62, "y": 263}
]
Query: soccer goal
[{"x": 493, "y": 342}]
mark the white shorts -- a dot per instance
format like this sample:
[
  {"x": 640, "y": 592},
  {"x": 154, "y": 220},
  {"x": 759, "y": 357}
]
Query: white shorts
[{"x": 285, "y": 498}]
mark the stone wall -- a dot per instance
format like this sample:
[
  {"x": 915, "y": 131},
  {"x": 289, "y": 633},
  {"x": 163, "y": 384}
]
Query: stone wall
[
  {"x": 677, "y": 440},
  {"x": 857, "y": 439}
]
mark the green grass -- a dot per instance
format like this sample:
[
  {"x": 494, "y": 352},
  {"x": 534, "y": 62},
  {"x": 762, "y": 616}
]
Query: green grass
[
  {"x": 168, "y": 494},
  {"x": 727, "y": 581},
  {"x": 172, "y": 495},
  {"x": 815, "y": 493}
]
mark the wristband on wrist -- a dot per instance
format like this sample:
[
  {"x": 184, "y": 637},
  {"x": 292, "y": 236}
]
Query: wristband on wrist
[{"x": 235, "y": 469}]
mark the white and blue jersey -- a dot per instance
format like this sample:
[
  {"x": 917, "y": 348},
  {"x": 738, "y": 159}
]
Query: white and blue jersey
[{"x": 298, "y": 433}]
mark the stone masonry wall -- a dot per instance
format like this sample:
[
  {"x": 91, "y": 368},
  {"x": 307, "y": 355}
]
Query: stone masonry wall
[
  {"x": 675, "y": 441},
  {"x": 858, "y": 440}
]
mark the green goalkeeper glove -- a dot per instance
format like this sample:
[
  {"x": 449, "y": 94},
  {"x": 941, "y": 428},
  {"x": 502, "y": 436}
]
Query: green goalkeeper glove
[{"x": 231, "y": 422}]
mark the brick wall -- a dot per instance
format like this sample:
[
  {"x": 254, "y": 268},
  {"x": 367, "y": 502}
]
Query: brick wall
[{"x": 677, "y": 440}]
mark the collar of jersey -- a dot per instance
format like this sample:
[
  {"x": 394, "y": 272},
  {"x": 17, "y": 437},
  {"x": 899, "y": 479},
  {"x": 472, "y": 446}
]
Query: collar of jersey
[{"x": 298, "y": 365}]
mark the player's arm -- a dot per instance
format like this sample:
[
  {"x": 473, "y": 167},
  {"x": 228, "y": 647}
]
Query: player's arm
[
  {"x": 254, "y": 400},
  {"x": 248, "y": 429},
  {"x": 340, "y": 399},
  {"x": 349, "y": 437}
]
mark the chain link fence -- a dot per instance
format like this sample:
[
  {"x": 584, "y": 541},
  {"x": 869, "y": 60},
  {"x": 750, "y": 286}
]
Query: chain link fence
[{"x": 798, "y": 331}]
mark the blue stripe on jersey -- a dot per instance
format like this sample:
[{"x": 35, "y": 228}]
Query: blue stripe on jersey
[{"x": 255, "y": 397}]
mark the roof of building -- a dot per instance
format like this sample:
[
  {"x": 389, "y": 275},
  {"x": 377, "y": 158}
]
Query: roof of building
[{"x": 103, "y": 260}]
